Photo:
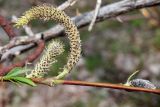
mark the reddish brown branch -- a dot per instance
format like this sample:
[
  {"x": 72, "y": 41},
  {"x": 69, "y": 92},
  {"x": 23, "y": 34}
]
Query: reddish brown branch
[
  {"x": 37, "y": 52},
  {"x": 95, "y": 84},
  {"x": 29, "y": 58},
  {"x": 6, "y": 25},
  {"x": 109, "y": 85}
]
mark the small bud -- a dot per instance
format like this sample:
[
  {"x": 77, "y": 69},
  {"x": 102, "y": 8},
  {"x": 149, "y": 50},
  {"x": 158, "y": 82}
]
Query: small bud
[{"x": 142, "y": 83}]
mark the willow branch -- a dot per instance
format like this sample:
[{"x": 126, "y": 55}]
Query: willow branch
[
  {"x": 105, "y": 12},
  {"x": 48, "y": 82},
  {"x": 6, "y": 25}
]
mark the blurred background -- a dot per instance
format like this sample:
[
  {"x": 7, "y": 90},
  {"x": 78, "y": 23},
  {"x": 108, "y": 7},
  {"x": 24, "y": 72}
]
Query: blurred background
[{"x": 111, "y": 52}]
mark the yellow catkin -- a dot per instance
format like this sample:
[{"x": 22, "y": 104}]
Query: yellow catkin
[
  {"x": 54, "y": 49},
  {"x": 47, "y": 12}
]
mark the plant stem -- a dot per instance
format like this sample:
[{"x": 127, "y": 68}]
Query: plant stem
[{"x": 48, "y": 82}]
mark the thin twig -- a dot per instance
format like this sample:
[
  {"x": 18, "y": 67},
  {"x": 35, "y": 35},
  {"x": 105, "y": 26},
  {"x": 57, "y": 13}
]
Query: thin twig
[
  {"x": 98, "y": 5},
  {"x": 49, "y": 81},
  {"x": 5, "y": 24},
  {"x": 67, "y": 4}
]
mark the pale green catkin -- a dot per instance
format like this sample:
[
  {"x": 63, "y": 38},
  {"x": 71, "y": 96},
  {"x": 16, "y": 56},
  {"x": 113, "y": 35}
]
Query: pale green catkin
[
  {"x": 54, "y": 49},
  {"x": 47, "y": 12}
]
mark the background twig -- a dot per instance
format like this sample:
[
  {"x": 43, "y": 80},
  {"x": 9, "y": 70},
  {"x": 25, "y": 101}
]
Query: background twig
[
  {"x": 98, "y": 5},
  {"x": 29, "y": 58},
  {"x": 6, "y": 25},
  {"x": 67, "y": 4}
]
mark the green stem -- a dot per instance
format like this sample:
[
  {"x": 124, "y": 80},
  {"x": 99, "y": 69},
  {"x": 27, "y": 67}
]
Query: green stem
[{"x": 130, "y": 77}]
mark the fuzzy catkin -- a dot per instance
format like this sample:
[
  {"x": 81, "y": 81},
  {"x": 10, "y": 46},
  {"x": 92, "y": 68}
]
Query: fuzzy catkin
[
  {"x": 142, "y": 83},
  {"x": 54, "y": 49},
  {"x": 47, "y": 12}
]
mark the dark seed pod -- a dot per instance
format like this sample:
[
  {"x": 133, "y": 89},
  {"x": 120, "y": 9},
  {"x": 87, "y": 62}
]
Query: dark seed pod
[{"x": 142, "y": 83}]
